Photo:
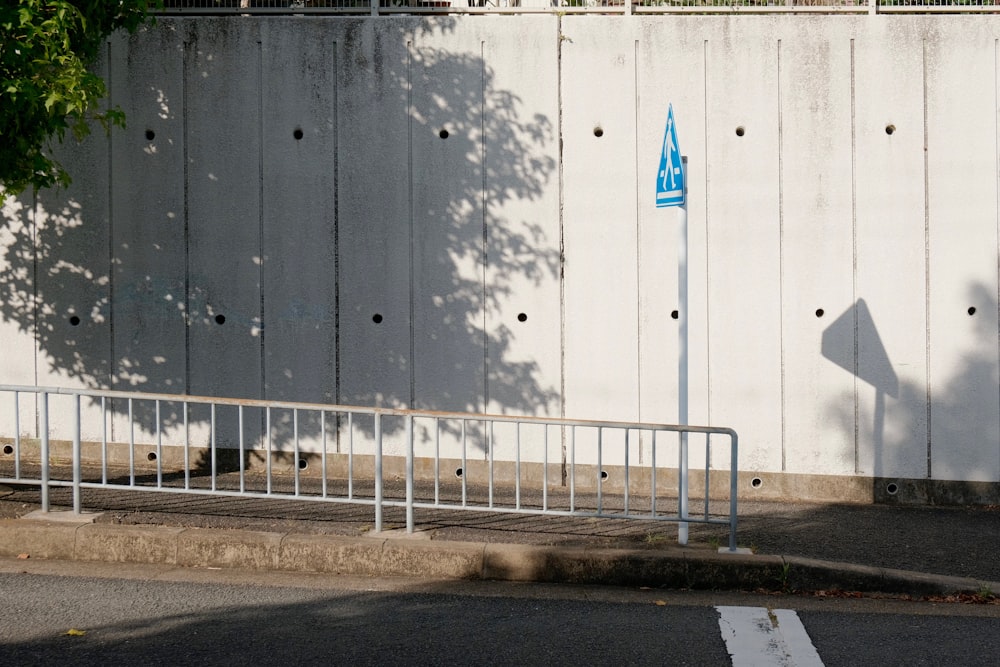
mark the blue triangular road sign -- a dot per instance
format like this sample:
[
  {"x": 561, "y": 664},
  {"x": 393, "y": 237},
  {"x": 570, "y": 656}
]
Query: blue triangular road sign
[{"x": 670, "y": 175}]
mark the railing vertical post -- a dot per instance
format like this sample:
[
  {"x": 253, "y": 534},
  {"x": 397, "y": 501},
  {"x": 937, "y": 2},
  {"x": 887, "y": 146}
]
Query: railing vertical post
[
  {"x": 375, "y": 7},
  {"x": 378, "y": 472},
  {"x": 77, "y": 463},
  {"x": 43, "y": 416},
  {"x": 17, "y": 436},
  {"x": 409, "y": 473},
  {"x": 733, "y": 471}
]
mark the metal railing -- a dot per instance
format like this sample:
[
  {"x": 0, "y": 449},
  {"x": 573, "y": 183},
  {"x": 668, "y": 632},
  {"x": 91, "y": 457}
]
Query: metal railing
[
  {"x": 388, "y": 7},
  {"x": 367, "y": 456}
]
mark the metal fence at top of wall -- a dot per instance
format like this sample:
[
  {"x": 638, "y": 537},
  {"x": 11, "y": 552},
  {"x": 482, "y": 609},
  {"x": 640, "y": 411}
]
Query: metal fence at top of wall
[
  {"x": 383, "y": 458},
  {"x": 376, "y": 7}
]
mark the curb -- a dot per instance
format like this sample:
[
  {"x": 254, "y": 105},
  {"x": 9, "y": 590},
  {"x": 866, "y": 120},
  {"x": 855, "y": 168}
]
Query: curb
[{"x": 380, "y": 556}]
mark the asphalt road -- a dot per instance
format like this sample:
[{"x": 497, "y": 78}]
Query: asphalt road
[{"x": 157, "y": 615}]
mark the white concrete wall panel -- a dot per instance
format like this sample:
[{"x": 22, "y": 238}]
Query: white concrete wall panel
[
  {"x": 743, "y": 238},
  {"x": 223, "y": 69},
  {"x": 600, "y": 231},
  {"x": 298, "y": 266},
  {"x": 148, "y": 244},
  {"x": 815, "y": 80},
  {"x": 523, "y": 267},
  {"x": 962, "y": 219},
  {"x": 890, "y": 311},
  {"x": 373, "y": 214},
  {"x": 446, "y": 70},
  {"x": 17, "y": 326},
  {"x": 73, "y": 286}
]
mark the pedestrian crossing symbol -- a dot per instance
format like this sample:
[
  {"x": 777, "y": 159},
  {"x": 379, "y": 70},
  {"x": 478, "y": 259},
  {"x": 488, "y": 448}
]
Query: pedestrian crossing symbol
[{"x": 670, "y": 176}]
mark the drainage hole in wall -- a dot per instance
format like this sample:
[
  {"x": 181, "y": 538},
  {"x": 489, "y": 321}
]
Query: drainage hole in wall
[
  {"x": 443, "y": 134},
  {"x": 740, "y": 131},
  {"x": 889, "y": 129},
  {"x": 150, "y": 135},
  {"x": 151, "y": 456},
  {"x": 220, "y": 319},
  {"x": 377, "y": 318},
  {"x": 522, "y": 317},
  {"x": 303, "y": 464},
  {"x": 820, "y": 312},
  {"x": 892, "y": 488},
  {"x": 756, "y": 482},
  {"x": 598, "y": 131},
  {"x": 604, "y": 475},
  {"x": 297, "y": 134},
  {"x": 972, "y": 310},
  {"x": 7, "y": 449},
  {"x": 74, "y": 320},
  {"x": 459, "y": 472},
  {"x": 675, "y": 314}
]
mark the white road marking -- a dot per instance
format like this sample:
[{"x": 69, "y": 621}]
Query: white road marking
[{"x": 759, "y": 637}]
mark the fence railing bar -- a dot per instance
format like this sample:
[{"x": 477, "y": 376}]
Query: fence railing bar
[
  {"x": 378, "y": 472},
  {"x": 43, "y": 418},
  {"x": 545, "y": 467},
  {"x": 270, "y": 451},
  {"x": 17, "y": 435},
  {"x": 131, "y": 442},
  {"x": 104, "y": 440},
  {"x": 296, "y": 456},
  {"x": 652, "y": 476},
  {"x": 517, "y": 466},
  {"x": 600, "y": 469},
  {"x": 77, "y": 457},
  {"x": 322, "y": 428},
  {"x": 187, "y": 447},
  {"x": 490, "y": 444},
  {"x": 159, "y": 446},
  {"x": 239, "y": 419},
  {"x": 628, "y": 444},
  {"x": 572, "y": 469},
  {"x": 213, "y": 444},
  {"x": 437, "y": 460},
  {"x": 465, "y": 464},
  {"x": 350, "y": 455},
  {"x": 409, "y": 474}
]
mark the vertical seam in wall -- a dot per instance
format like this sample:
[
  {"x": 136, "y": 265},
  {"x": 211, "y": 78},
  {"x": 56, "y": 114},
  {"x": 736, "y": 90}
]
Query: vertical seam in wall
[
  {"x": 562, "y": 250},
  {"x": 708, "y": 322},
  {"x": 485, "y": 239},
  {"x": 854, "y": 259},
  {"x": 336, "y": 230},
  {"x": 409, "y": 195},
  {"x": 111, "y": 231},
  {"x": 638, "y": 232},
  {"x": 262, "y": 329},
  {"x": 187, "y": 221},
  {"x": 927, "y": 262},
  {"x": 781, "y": 258}
]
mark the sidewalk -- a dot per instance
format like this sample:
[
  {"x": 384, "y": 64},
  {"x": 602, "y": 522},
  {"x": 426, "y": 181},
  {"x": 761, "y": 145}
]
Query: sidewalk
[{"x": 795, "y": 546}]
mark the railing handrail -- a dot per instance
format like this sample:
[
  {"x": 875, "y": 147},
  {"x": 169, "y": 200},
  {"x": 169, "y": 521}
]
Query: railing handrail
[{"x": 383, "y": 411}]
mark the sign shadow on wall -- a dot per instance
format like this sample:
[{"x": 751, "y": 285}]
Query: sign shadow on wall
[{"x": 853, "y": 343}]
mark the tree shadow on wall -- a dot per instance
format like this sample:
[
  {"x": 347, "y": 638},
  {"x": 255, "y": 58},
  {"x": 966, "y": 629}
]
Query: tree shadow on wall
[
  {"x": 964, "y": 421},
  {"x": 65, "y": 262}
]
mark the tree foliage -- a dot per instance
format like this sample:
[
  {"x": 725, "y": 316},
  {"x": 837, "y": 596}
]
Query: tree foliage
[{"x": 46, "y": 85}]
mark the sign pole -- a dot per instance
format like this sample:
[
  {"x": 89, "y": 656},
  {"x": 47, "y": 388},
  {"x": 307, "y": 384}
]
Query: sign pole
[
  {"x": 671, "y": 190},
  {"x": 682, "y": 367}
]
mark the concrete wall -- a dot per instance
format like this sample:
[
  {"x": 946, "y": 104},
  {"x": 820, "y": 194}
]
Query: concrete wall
[{"x": 458, "y": 213}]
